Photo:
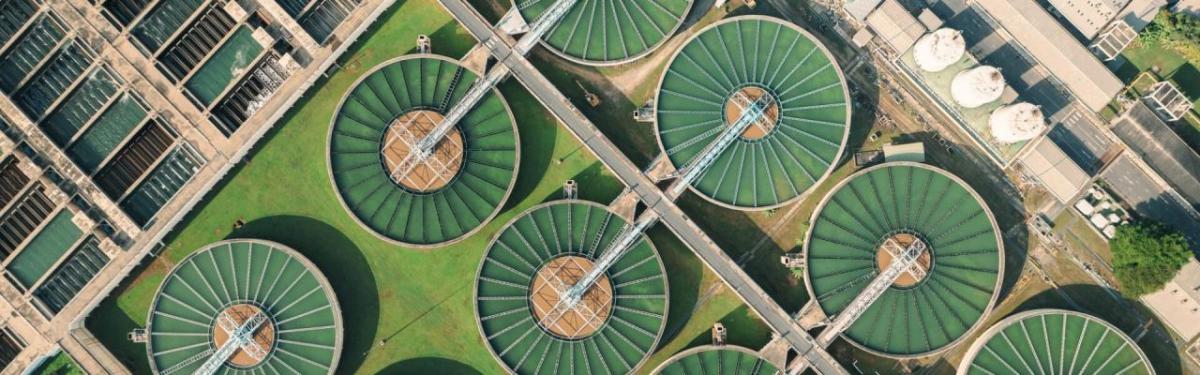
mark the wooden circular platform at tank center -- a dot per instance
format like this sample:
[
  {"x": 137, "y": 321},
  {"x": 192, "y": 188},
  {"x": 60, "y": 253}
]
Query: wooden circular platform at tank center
[
  {"x": 264, "y": 336},
  {"x": 411, "y": 172},
  {"x": 586, "y": 317},
  {"x": 736, "y": 103},
  {"x": 883, "y": 260}
]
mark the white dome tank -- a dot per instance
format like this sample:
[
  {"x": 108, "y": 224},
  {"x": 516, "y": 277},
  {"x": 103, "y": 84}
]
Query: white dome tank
[
  {"x": 978, "y": 86},
  {"x": 1017, "y": 122},
  {"x": 938, "y": 50}
]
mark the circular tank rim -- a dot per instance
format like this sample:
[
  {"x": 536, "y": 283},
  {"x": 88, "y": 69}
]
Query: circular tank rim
[
  {"x": 338, "y": 192},
  {"x": 496, "y": 237},
  {"x": 999, "y": 326},
  {"x": 999, "y": 248},
  {"x": 338, "y": 325},
  {"x": 611, "y": 63},
  {"x": 845, "y": 95}
]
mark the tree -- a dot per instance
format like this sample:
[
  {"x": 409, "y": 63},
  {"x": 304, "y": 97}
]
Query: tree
[{"x": 1146, "y": 255}]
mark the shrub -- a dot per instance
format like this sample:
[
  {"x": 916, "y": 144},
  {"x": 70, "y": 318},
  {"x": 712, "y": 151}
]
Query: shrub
[{"x": 1146, "y": 255}]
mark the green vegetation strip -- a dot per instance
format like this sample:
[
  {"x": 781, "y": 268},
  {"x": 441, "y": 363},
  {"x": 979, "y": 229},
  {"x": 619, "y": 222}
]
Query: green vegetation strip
[
  {"x": 609, "y": 31},
  {"x": 767, "y": 54},
  {"x": 547, "y": 232},
  {"x": 1054, "y": 342},
  {"x": 359, "y": 131},
  {"x": 966, "y": 266}
]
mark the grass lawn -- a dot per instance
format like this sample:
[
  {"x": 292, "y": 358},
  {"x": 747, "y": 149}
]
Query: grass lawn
[
  {"x": 1168, "y": 64},
  {"x": 60, "y": 364},
  {"x": 418, "y": 302}
]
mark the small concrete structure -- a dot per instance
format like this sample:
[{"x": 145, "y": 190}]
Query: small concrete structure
[
  {"x": 1178, "y": 303},
  {"x": 719, "y": 334},
  {"x": 792, "y": 260},
  {"x": 1167, "y": 101},
  {"x": 424, "y": 44},
  {"x": 1114, "y": 40},
  {"x": 914, "y": 152},
  {"x": 895, "y": 25},
  {"x": 929, "y": 19},
  {"x": 1057, "y": 173}
]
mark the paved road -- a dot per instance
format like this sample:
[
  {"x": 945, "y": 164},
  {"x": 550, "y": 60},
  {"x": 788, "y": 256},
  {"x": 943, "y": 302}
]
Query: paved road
[{"x": 654, "y": 199}]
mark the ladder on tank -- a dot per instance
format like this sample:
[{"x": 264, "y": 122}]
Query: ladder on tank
[
  {"x": 240, "y": 337},
  {"x": 904, "y": 260},
  {"x": 752, "y": 113}
]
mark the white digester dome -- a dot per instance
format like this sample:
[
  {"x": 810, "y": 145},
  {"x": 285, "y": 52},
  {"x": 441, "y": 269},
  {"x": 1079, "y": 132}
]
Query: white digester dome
[
  {"x": 938, "y": 50},
  {"x": 978, "y": 86},
  {"x": 1017, "y": 122}
]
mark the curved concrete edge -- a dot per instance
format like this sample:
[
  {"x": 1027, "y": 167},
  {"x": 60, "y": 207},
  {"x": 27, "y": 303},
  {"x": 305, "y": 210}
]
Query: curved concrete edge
[
  {"x": 491, "y": 243},
  {"x": 334, "y": 304},
  {"x": 995, "y": 229},
  {"x": 986, "y": 336},
  {"x": 704, "y": 348},
  {"x": 845, "y": 95},
  {"x": 342, "y": 200},
  {"x": 622, "y": 61}
]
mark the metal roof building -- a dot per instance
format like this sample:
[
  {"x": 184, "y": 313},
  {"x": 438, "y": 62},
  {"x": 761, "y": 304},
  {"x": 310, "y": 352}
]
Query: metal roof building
[
  {"x": 1178, "y": 303},
  {"x": 894, "y": 24},
  {"x": 1054, "y": 48},
  {"x": 1089, "y": 16},
  {"x": 1162, "y": 149},
  {"x": 1057, "y": 172}
]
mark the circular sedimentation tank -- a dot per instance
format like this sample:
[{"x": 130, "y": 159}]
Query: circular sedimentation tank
[
  {"x": 606, "y": 32},
  {"x": 221, "y": 287},
  {"x": 421, "y": 201},
  {"x": 725, "y": 360},
  {"x": 534, "y": 259},
  {"x": 1051, "y": 341},
  {"x": 792, "y": 146},
  {"x": 866, "y": 218}
]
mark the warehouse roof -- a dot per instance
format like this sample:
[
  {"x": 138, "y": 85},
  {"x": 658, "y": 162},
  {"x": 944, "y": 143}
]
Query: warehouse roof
[
  {"x": 896, "y": 25},
  {"x": 1057, "y": 172},
  {"x": 1061, "y": 54}
]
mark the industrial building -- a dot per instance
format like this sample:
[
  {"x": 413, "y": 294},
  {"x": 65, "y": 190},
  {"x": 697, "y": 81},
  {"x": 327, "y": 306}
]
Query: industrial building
[{"x": 1054, "y": 341}]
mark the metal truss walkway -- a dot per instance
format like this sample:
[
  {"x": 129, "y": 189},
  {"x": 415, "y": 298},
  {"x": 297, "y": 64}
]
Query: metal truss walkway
[{"x": 655, "y": 199}]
